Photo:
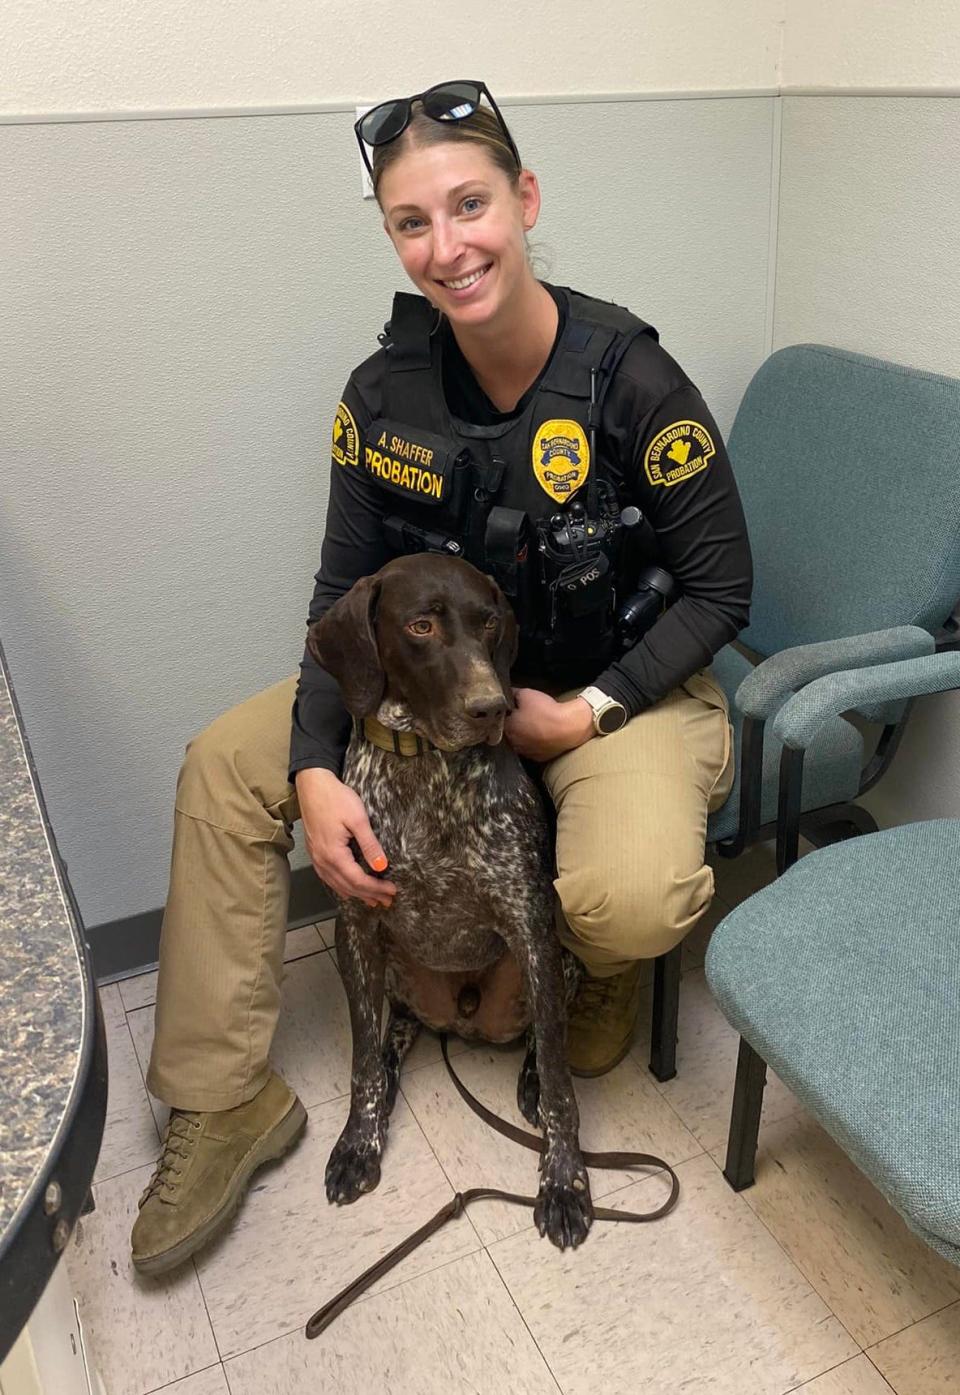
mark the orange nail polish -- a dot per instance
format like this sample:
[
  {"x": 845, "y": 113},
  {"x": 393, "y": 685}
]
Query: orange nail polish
[{"x": 379, "y": 864}]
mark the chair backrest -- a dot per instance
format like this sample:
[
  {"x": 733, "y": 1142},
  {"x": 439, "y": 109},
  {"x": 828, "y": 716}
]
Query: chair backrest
[{"x": 849, "y": 470}]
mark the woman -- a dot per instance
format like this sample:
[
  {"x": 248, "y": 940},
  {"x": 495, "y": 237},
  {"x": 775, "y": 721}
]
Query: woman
[{"x": 516, "y": 423}]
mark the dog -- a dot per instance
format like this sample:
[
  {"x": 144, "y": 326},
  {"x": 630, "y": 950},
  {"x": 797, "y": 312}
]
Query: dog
[{"x": 425, "y": 646}]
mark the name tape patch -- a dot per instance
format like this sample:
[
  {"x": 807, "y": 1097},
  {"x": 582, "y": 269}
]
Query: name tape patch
[
  {"x": 412, "y": 464},
  {"x": 679, "y": 451},
  {"x": 561, "y": 458}
]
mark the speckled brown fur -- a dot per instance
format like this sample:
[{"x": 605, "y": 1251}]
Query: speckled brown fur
[{"x": 469, "y": 944}]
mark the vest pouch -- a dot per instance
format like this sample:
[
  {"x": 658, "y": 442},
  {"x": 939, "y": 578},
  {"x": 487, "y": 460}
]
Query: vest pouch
[{"x": 427, "y": 473}]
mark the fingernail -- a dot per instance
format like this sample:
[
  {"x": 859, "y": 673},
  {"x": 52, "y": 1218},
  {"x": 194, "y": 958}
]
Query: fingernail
[{"x": 379, "y": 864}]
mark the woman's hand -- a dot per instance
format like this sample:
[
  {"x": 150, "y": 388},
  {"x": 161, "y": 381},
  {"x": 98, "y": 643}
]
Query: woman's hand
[
  {"x": 541, "y": 728},
  {"x": 332, "y": 814}
]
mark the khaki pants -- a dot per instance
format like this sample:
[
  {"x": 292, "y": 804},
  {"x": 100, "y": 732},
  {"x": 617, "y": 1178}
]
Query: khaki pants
[{"x": 631, "y": 822}]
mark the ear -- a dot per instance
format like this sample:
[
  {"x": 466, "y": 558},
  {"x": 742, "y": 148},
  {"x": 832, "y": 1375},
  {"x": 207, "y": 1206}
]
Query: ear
[
  {"x": 506, "y": 650},
  {"x": 344, "y": 643}
]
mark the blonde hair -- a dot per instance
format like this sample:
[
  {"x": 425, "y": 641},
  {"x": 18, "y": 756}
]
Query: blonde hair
[{"x": 482, "y": 127}]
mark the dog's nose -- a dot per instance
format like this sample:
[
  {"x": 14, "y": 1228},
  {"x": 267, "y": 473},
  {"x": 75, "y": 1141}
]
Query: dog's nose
[{"x": 488, "y": 707}]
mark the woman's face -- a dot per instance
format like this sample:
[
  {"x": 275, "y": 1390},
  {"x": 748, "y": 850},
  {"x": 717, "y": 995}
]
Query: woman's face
[{"x": 458, "y": 224}]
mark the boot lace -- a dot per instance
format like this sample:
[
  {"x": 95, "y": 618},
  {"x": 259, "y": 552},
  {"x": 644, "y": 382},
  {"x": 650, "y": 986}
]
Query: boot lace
[{"x": 179, "y": 1140}]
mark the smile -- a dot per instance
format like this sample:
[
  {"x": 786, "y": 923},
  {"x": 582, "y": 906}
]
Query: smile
[{"x": 463, "y": 282}]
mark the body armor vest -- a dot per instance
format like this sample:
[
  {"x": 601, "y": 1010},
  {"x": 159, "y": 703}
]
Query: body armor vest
[{"x": 527, "y": 500}]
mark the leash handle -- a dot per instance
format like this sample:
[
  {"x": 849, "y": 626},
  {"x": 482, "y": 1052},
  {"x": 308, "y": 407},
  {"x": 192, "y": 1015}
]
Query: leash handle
[{"x": 324, "y": 1316}]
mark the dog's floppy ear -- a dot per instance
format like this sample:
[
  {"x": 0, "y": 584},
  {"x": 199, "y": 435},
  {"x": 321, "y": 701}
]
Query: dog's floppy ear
[
  {"x": 506, "y": 650},
  {"x": 344, "y": 643}
]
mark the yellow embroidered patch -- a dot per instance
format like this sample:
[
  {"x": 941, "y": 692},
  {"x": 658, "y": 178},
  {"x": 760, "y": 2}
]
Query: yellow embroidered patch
[
  {"x": 679, "y": 451},
  {"x": 346, "y": 438},
  {"x": 561, "y": 458}
]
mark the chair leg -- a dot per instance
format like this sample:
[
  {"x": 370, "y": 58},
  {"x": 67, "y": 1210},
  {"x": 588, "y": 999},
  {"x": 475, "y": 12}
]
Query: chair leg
[
  {"x": 666, "y": 1008},
  {"x": 745, "y": 1118}
]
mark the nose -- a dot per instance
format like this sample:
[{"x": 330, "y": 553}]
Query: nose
[
  {"x": 446, "y": 243},
  {"x": 486, "y": 707}
]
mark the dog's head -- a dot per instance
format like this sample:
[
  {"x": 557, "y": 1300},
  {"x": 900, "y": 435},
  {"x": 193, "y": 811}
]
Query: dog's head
[{"x": 426, "y": 644}]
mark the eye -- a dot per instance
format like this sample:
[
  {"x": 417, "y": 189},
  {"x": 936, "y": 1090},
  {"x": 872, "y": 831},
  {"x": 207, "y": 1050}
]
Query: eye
[
  {"x": 420, "y": 627},
  {"x": 410, "y": 225},
  {"x": 472, "y": 203},
  {"x": 490, "y": 623}
]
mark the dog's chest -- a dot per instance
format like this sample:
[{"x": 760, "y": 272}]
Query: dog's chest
[{"x": 462, "y": 841}]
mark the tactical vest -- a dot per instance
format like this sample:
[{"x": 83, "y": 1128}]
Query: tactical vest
[{"x": 483, "y": 492}]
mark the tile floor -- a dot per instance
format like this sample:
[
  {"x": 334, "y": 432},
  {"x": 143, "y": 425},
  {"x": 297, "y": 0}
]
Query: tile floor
[{"x": 806, "y": 1282}]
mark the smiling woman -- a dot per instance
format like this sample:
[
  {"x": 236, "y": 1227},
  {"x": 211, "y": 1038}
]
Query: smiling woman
[{"x": 547, "y": 438}]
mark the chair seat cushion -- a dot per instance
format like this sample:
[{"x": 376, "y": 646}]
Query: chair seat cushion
[
  {"x": 831, "y": 771},
  {"x": 844, "y": 975}
]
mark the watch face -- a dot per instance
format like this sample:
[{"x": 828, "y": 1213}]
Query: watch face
[{"x": 612, "y": 719}]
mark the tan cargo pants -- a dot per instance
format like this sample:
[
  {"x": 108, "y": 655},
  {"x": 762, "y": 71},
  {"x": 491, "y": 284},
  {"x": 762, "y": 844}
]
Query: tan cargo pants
[{"x": 631, "y": 821}]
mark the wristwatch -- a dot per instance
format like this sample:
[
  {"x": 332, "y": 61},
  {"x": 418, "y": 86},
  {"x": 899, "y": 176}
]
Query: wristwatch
[{"x": 608, "y": 714}]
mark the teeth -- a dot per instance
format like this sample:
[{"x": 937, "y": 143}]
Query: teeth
[{"x": 466, "y": 281}]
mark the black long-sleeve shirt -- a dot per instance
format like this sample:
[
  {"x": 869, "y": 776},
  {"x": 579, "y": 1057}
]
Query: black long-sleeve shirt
[{"x": 698, "y": 521}]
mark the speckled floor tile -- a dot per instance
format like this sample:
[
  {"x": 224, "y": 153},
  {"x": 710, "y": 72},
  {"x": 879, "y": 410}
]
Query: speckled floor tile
[
  {"x": 702, "y": 1301},
  {"x": 311, "y": 1049},
  {"x": 856, "y": 1377},
  {"x": 618, "y": 1111},
  {"x": 325, "y": 929},
  {"x": 876, "y": 1275},
  {"x": 141, "y": 990},
  {"x": 925, "y": 1359},
  {"x": 702, "y": 1090},
  {"x": 145, "y": 1333},
  {"x": 449, "y": 1332},
  {"x": 302, "y": 1250},
  {"x": 212, "y": 1381},
  {"x": 130, "y": 1136}
]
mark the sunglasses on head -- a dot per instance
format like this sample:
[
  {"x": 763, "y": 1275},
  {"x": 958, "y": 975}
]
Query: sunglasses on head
[{"x": 448, "y": 101}]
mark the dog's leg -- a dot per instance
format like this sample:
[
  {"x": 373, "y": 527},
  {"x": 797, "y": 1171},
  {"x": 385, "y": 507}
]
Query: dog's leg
[
  {"x": 564, "y": 1210},
  {"x": 528, "y": 1081},
  {"x": 354, "y": 1164},
  {"x": 402, "y": 1031}
]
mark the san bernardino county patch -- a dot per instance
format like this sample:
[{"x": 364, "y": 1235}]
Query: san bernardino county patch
[
  {"x": 561, "y": 458},
  {"x": 346, "y": 438},
  {"x": 679, "y": 451}
]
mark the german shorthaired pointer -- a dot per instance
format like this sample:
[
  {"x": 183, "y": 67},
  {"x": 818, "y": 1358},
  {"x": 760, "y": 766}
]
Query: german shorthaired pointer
[{"x": 425, "y": 647}]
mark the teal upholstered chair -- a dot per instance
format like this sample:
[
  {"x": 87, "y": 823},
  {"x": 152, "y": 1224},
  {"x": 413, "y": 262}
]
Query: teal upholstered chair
[
  {"x": 844, "y": 976},
  {"x": 849, "y": 470}
]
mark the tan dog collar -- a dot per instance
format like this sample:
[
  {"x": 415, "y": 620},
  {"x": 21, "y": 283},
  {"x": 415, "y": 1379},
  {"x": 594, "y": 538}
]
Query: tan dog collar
[{"x": 401, "y": 743}]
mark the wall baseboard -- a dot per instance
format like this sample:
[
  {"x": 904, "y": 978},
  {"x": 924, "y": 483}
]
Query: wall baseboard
[{"x": 122, "y": 948}]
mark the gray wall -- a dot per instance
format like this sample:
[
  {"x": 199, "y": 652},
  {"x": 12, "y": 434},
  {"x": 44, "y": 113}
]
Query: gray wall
[
  {"x": 868, "y": 258},
  {"x": 181, "y": 302}
]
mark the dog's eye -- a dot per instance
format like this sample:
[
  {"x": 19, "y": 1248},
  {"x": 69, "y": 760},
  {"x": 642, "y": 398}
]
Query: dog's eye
[
  {"x": 490, "y": 623},
  {"x": 420, "y": 627}
]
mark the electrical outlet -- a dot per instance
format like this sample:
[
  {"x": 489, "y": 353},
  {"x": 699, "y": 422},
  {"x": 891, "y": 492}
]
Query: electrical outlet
[{"x": 366, "y": 183}]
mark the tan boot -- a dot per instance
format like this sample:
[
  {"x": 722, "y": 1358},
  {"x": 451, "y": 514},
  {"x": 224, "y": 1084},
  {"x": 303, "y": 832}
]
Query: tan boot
[
  {"x": 203, "y": 1172},
  {"x": 602, "y": 1021}
]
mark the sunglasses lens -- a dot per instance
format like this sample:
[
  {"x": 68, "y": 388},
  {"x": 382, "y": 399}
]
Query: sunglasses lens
[
  {"x": 384, "y": 123},
  {"x": 453, "y": 101}
]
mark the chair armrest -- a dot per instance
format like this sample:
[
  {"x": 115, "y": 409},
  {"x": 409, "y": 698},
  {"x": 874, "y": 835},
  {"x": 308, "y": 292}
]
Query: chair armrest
[
  {"x": 802, "y": 715},
  {"x": 762, "y": 691}
]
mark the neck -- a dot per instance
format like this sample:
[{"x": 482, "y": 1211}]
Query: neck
[{"x": 509, "y": 353}]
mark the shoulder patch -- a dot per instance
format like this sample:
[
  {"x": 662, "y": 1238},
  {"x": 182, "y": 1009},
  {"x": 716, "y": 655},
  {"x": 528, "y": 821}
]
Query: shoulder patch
[
  {"x": 561, "y": 458},
  {"x": 677, "y": 452},
  {"x": 346, "y": 439}
]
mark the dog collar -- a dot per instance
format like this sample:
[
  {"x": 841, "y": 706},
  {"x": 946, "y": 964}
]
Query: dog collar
[{"x": 401, "y": 743}]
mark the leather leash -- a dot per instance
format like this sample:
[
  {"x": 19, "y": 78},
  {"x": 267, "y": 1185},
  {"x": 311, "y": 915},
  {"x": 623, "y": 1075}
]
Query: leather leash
[{"x": 324, "y": 1316}]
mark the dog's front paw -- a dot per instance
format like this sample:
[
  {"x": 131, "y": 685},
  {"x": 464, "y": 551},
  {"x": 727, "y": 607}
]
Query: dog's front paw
[
  {"x": 564, "y": 1209},
  {"x": 353, "y": 1168}
]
